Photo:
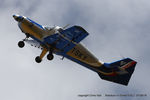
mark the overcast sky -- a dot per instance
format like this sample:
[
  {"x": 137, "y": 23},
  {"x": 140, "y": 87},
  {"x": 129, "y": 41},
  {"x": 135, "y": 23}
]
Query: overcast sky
[{"x": 117, "y": 28}]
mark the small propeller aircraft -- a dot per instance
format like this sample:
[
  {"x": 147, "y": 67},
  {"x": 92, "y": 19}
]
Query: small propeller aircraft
[{"x": 66, "y": 43}]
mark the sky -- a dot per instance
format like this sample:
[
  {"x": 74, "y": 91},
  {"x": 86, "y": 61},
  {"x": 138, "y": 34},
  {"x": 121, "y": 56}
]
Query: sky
[{"x": 117, "y": 29}]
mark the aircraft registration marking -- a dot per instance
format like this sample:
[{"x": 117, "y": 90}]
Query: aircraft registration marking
[
  {"x": 78, "y": 54},
  {"x": 81, "y": 54}
]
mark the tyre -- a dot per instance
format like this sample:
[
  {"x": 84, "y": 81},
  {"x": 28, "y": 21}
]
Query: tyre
[
  {"x": 50, "y": 56},
  {"x": 38, "y": 59},
  {"x": 21, "y": 44}
]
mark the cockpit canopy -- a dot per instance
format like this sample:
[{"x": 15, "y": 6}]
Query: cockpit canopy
[
  {"x": 53, "y": 28},
  {"x": 48, "y": 28}
]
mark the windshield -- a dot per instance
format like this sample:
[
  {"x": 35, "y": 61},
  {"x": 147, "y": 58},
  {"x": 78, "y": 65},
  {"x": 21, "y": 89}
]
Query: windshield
[{"x": 49, "y": 28}]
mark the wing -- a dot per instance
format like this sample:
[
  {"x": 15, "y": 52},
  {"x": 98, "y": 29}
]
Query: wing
[
  {"x": 75, "y": 33},
  {"x": 65, "y": 40}
]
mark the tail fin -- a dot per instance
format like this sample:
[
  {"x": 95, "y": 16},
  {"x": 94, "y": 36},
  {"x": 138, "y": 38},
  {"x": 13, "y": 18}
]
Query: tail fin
[{"x": 122, "y": 71}]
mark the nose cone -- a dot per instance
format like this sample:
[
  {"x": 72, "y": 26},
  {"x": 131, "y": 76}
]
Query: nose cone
[
  {"x": 15, "y": 17},
  {"x": 18, "y": 18}
]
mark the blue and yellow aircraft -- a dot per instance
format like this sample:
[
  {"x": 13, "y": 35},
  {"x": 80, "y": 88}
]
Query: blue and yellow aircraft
[{"x": 66, "y": 43}]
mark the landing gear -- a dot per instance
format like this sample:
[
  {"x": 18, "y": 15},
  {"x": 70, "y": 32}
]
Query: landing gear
[
  {"x": 38, "y": 59},
  {"x": 21, "y": 44},
  {"x": 50, "y": 56}
]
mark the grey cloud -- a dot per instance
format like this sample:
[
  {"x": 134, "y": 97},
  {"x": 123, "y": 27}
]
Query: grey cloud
[{"x": 115, "y": 27}]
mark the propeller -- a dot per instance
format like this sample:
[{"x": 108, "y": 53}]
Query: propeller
[{"x": 66, "y": 26}]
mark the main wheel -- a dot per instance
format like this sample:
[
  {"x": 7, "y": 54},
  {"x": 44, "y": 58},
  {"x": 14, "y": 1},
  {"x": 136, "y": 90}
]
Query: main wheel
[
  {"x": 21, "y": 44},
  {"x": 50, "y": 56},
  {"x": 38, "y": 59}
]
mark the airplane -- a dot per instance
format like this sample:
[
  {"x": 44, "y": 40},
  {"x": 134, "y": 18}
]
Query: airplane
[{"x": 65, "y": 42}]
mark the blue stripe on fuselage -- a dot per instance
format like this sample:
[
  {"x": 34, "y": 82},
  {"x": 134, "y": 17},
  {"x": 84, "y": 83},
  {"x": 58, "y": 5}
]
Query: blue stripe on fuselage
[{"x": 36, "y": 23}]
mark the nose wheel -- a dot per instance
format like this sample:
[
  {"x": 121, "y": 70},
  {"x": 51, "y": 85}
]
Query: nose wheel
[{"x": 21, "y": 44}]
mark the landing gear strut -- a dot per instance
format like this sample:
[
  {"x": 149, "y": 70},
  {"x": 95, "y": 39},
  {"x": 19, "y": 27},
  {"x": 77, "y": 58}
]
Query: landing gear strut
[
  {"x": 50, "y": 56},
  {"x": 38, "y": 59}
]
